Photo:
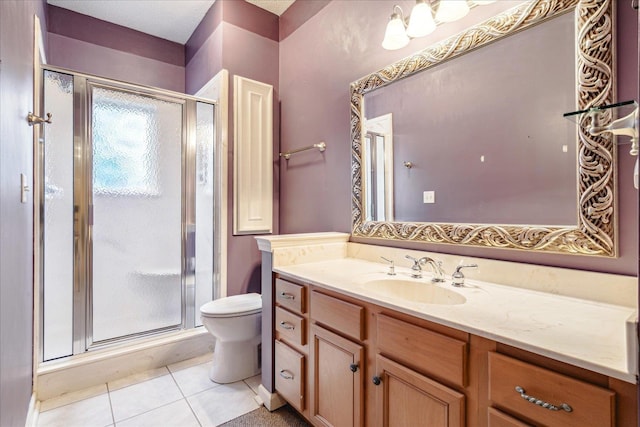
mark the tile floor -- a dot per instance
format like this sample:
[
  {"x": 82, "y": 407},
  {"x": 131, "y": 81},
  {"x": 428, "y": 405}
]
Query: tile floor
[{"x": 180, "y": 395}]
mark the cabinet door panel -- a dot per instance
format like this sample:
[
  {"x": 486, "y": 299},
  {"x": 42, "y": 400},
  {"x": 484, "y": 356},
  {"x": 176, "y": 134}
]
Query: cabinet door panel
[
  {"x": 340, "y": 315},
  {"x": 591, "y": 406},
  {"x": 289, "y": 373},
  {"x": 434, "y": 354},
  {"x": 407, "y": 398},
  {"x": 290, "y": 327},
  {"x": 291, "y": 295},
  {"x": 337, "y": 382},
  {"x": 500, "y": 419}
]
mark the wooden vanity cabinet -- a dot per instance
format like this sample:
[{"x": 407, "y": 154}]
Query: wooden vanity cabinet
[{"x": 341, "y": 361}]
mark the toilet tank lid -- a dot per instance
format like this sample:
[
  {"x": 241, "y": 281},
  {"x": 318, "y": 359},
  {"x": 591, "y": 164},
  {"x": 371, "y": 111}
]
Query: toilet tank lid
[{"x": 235, "y": 305}]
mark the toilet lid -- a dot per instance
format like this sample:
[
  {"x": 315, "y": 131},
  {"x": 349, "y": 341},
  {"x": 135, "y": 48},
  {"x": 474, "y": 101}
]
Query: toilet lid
[{"x": 237, "y": 305}]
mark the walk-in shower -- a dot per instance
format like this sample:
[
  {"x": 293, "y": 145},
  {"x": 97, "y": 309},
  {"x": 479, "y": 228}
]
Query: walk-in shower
[{"x": 127, "y": 190}]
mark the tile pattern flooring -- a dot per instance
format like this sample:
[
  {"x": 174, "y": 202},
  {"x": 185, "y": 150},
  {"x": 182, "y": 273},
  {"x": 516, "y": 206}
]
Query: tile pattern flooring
[{"x": 180, "y": 395}]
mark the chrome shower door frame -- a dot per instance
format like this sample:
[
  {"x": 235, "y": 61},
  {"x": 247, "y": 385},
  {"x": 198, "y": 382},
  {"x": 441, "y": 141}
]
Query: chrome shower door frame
[{"x": 83, "y": 208}]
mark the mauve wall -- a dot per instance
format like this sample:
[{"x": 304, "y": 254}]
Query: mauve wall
[
  {"x": 243, "y": 39},
  {"x": 16, "y": 227},
  {"x": 89, "y": 45},
  {"x": 340, "y": 44}
]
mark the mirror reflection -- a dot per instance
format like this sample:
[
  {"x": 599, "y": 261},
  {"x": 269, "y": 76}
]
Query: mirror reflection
[{"x": 479, "y": 138}]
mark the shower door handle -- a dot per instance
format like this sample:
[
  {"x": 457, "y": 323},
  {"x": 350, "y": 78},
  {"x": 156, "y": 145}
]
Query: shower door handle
[
  {"x": 76, "y": 282},
  {"x": 190, "y": 249}
]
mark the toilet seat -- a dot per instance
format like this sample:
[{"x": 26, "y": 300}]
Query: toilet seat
[{"x": 233, "y": 306}]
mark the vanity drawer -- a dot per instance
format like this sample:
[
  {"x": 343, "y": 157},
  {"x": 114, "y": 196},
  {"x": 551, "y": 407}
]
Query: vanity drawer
[
  {"x": 289, "y": 373},
  {"x": 500, "y": 419},
  {"x": 339, "y": 315},
  {"x": 290, "y": 326},
  {"x": 429, "y": 352},
  {"x": 290, "y": 295},
  {"x": 590, "y": 405}
]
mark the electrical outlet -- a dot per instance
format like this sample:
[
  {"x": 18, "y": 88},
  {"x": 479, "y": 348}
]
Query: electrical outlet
[{"x": 429, "y": 197}]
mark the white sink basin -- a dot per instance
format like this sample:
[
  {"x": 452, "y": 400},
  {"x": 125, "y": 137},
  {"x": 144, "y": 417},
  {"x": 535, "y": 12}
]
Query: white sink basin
[{"x": 414, "y": 291}]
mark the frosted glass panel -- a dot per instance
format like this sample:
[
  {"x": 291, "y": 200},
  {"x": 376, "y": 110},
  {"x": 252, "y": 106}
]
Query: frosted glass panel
[
  {"x": 137, "y": 183},
  {"x": 204, "y": 205},
  {"x": 58, "y": 217}
]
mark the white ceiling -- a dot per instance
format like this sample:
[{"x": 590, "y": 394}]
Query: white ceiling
[{"x": 173, "y": 20}]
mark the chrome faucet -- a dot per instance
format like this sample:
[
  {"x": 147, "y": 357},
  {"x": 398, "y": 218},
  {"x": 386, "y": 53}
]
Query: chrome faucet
[
  {"x": 457, "y": 278},
  {"x": 438, "y": 271},
  {"x": 417, "y": 266},
  {"x": 436, "y": 266}
]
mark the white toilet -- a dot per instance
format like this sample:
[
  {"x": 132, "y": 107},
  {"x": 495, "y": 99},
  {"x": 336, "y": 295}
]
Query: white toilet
[{"x": 236, "y": 323}]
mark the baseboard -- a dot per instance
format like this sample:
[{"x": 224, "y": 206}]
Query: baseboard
[{"x": 271, "y": 401}]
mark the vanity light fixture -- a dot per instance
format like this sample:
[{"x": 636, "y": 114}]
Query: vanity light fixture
[
  {"x": 395, "y": 36},
  {"x": 451, "y": 10},
  {"x": 401, "y": 30},
  {"x": 421, "y": 21}
]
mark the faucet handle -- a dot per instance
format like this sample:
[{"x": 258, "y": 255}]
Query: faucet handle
[
  {"x": 417, "y": 261},
  {"x": 457, "y": 278},
  {"x": 392, "y": 270}
]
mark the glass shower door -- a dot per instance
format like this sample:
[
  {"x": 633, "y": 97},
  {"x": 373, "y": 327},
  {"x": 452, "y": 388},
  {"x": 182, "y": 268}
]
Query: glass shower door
[
  {"x": 135, "y": 214},
  {"x": 127, "y": 189}
]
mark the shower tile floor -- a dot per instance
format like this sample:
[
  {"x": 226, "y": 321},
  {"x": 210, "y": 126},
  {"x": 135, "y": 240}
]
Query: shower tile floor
[{"x": 180, "y": 395}]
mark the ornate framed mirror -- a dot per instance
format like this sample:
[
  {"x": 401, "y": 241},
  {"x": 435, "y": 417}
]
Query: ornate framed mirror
[{"x": 588, "y": 225}]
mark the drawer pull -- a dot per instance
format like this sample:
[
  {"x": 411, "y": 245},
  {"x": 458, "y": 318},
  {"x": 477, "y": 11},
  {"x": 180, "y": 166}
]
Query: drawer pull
[
  {"x": 353, "y": 367},
  {"x": 287, "y": 325},
  {"x": 376, "y": 380},
  {"x": 286, "y": 374},
  {"x": 542, "y": 403},
  {"x": 285, "y": 295}
]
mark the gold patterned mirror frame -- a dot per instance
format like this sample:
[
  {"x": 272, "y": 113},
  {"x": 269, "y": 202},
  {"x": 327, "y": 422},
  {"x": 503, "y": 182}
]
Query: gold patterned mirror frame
[{"x": 596, "y": 231}]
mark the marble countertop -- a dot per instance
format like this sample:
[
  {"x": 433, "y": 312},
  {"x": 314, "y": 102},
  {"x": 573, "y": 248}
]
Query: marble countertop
[{"x": 592, "y": 335}]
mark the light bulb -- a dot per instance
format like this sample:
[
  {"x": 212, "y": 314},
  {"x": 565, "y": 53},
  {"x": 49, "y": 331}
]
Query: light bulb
[
  {"x": 451, "y": 10},
  {"x": 421, "y": 20},
  {"x": 395, "y": 36}
]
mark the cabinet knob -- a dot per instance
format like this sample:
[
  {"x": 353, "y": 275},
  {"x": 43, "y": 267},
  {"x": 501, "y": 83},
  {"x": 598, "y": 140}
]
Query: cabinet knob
[
  {"x": 376, "y": 380},
  {"x": 353, "y": 367}
]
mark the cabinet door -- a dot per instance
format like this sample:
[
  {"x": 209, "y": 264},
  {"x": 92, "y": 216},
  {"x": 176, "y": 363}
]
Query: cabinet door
[
  {"x": 337, "y": 387},
  {"x": 407, "y": 398}
]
